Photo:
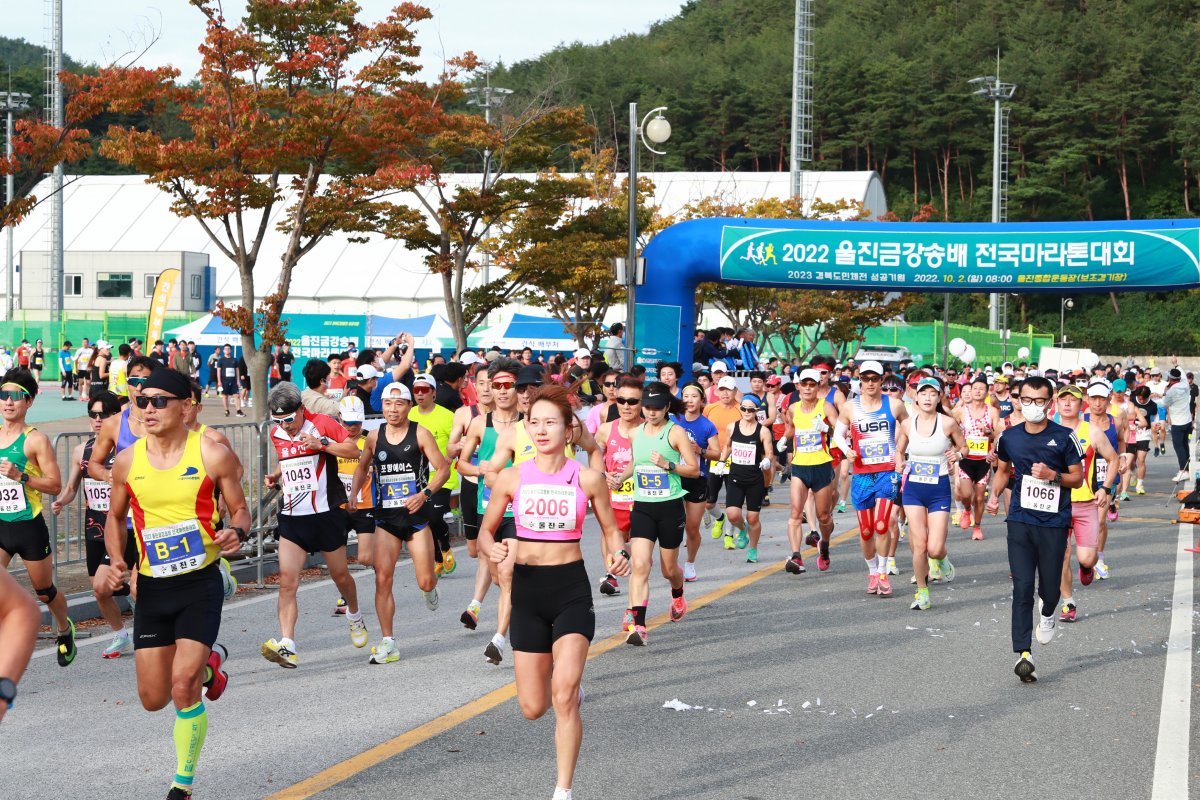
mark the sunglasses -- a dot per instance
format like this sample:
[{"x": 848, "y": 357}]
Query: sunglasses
[
  {"x": 869, "y": 378},
  {"x": 627, "y": 401},
  {"x": 609, "y": 384},
  {"x": 421, "y": 390},
  {"x": 288, "y": 420},
  {"x": 13, "y": 394},
  {"x": 136, "y": 383},
  {"x": 158, "y": 401},
  {"x": 98, "y": 415},
  {"x": 749, "y": 409},
  {"x": 892, "y": 389},
  {"x": 503, "y": 386}
]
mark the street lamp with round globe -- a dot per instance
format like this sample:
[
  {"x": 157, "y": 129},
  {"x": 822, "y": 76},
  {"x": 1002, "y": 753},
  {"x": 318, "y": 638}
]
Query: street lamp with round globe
[{"x": 658, "y": 130}]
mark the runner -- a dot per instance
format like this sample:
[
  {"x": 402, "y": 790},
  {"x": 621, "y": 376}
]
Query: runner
[
  {"x": 439, "y": 421},
  {"x": 66, "y": 371},
  {"x": 1177, "y": 399},
  {"x": 19, "y": 621},
  {"x": 1042, "y": 458},
  {"x": 311, "y": 517},
  {"x": 928, "y": 442},
  {"x": 981, "y": 425},
  {"x": 96, "y": 498},
  {"x": 662, "y": 454},
  {"x": 476, "y": 459},
  {"x": 352, "y": 415},
  {"x": 871, "y": 421},
  {"x": 401, "y": 454},
  {"x": 469, "y": 492},
  {"x": 809, "y": 421},
  {"x": 1122, "y": 408},
  {"x": 28, "y": 471},
  {"x": 612, "y": 456},
  {"x": 1088, "y": 506},
  {"x": 168, "y": 479},
  {"x": 1147, "y": 415},
  {"x": 1102, "y": 419},
  {"x": 703, "y": 436},
  {"x": 722, "y": 414},
  {"x": 227, "y": 372},
  {"x": 749, "y": 451},
  {"x": 1158, "y": 423},
  {"x": 553, "y": 620}
]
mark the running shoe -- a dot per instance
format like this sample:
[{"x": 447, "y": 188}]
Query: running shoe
[
  {"x": 1086, "y": 574},
  {"x": 341, "y": 606},
  {"x": 678, "y": 608},
  {"x": 1113, "y": 514},
  {"x": 66, "y": 645},
  {"x": 903, "y": 527},
  {"x": 935, "y": 571},
  {"x": 841, "y": 507},
  {"x": 1068, "y": 613},
  {"x": 448, "y": 562},
  {"x": 795, "y": 565},
  {"x": 813, "y": 539},
  {"x": 891, "y": 567},
  {"x": 947, "y": 569},
  {"x": 228, "y": 582},
  {"x": 873, "y": 584},
  {"x": 493, "y": 654},
  {"x": 470, "y": 619},
  {"x": 1180, "y": 476},
  {"x": 1158, "y": 451},
  {"x": 218, "y": 679},
  {"x": 766, "y": 501},
  {"x": 1045, "y": 629},
  {"x": 718, "y": 528},
  {"x": 358, "y": 632},
  {"x": 562, "y": 794},
  {"x": 1024, "y": 668},
  {"x": 1101, "y": 570},
  {"x": 752, "y": 555},
  {"x": 240, "y": 413},
  {"x": 431, "y": 598},
  {"x": 823, "y": 556},
  {"x": 1124, "y": 497},
  {"x": 609, "y": 586},
  {"x": 385, "y": 652},
  {"x": 743, "y": 538},
  {"x": 438, "y": 569},
  {"x": 176, "y": 793},
  {"x": 964, "y": 519},
  {"x": 954, "y": 515},
  {"x": 921, "y": 600},
  {"x": 729, "y": 545},
  {"x": 977, "y": 534},
  {"x": 637, "y": 635},
  {"x": 278, "y": 653},
  {"x": 118, "y": 646},
  {"x": 1141, "y": 487},
  {"x": 706, "y": 522},
  {"x": 885, "y": 586},
  {"x": 689, "y": 572}
]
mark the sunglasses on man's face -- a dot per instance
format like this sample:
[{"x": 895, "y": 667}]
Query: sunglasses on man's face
[
  {"x": 288, "y": 420},
  {"x": 627, "y": 401},
  {"x": 610, "y": 384},
  {"x": 13, "y": 394},
  {"x": 159, "y": 401},
  {"x": 421, "y": 390},
  {"x": 136, "y": 383},
  {"x": 503, "y": 386},
  {"x": 98, "y": 415}
]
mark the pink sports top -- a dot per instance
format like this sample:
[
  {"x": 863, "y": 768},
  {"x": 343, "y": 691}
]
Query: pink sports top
[{"x": 549, "y": 508}]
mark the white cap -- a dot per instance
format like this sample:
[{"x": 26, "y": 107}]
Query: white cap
[
  {"x": 426, "y": 379},
  {"x": 870, "y": 366},
  {"x": 718, "y": 366},
  {"x": 1099, "y": 389},
  {"x": 366, "y": 373},
  {"x": 583, "y": 352},
  {"x": 809, "y": 375},
  {"x": 100, "y": 345},
  {"x": 469, "y": 357},
  {"x": 351, "y": 409},
  {"x": 727, "y": 383},
  {"x": 396, "y": 391}
]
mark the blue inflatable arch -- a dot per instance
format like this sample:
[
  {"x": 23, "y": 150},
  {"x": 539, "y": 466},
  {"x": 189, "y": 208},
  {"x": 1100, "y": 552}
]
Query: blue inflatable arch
[{"x": 1034, "y": 258}]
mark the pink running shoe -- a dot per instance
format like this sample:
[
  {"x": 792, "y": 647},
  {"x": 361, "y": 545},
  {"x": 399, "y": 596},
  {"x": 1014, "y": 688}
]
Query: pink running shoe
[
  {"x": 823, "y": 557},
  {"x": 964, "y": 521},
  {"x": 678, "y": 608},
  {"x": 885, "y": 586},
  {"x": 873, "y": 585},
  {"x": 977, "y": 534}
]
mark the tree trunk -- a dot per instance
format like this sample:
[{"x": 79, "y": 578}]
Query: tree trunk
[
  {"x": 1187, "y": 200},
  {"x": 916, "y": 192},
  {"x": 1125, "y": 187}
]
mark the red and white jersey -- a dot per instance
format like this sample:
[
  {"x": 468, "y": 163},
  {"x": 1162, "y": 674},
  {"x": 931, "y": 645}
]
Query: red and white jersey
[{"x": 309, "y": 478}]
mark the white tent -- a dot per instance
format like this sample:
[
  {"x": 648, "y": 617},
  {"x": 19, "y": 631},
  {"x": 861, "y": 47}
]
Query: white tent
[{"x": 208, "y": 331}]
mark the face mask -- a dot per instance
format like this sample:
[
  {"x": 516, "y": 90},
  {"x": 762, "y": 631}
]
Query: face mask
[{"x": 1033, "y": 413}]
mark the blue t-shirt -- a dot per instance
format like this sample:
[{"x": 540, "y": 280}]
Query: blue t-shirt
[
  {"x": 1057, "y": 448},
  {"x": 384, "y": 380},
  {"x": 65, "y": 362},
  {"x": 700, "y": 431}
]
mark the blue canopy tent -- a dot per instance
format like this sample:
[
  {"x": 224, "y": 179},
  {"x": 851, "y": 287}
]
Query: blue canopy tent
[
  {"x": 431, "y": 331},
  {"x": 527, "y": 330},
  {"x": 208, "y": 331}
]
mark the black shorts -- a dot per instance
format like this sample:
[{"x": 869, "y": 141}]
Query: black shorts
[
  {"x": 361, "y": 521},
  {"x": 815, "y": 476},
  {"x": 660, "y": 522},
  {"x": 67, "y": 380},
  {"x": 507, "y": 529},
  {"x": 696, "y": 488},
  {"x": 713, "y": 484},
  {"x": 97, "y": 555},
  {"x": 976, "y": 469},
  {"x": 315, "y": 533},
  {"x": 180, "y": 607},
  {"x": 1135, "y": 447},
  {"x": 749, "y": 495},
  {"x": 404, "y": 533},
  {"x": 468, "y": 502},
  {"x": 27, "y": 538},
  {"x": 547, "y": 604},
  {"x": 229, "y": 387},
  {"x": 436, "y": 509}
]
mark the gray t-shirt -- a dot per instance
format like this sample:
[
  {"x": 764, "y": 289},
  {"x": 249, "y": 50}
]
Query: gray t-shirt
[{"x": 1178, "y": 400}]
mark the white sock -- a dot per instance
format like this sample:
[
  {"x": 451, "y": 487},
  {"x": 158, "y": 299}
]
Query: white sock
[
  {"x": 474, "y": 606},
  {"x": 874, "y": 570},
  {"x": 719, "y": 516},
  {"x": 691, "y": 564},
  {"x": 881, "y": 563},
  {"x": 1101, "y": 556},
  {"x": 562, "y": 794},
  {"x": 500, "y": 641},
  {"x": 1068, "y": 599},
  {"x": 288, "y": 643},
  {"x": 356, "y": 616}
]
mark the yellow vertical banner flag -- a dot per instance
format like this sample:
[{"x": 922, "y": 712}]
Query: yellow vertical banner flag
[{"x": 158, "y": 306}]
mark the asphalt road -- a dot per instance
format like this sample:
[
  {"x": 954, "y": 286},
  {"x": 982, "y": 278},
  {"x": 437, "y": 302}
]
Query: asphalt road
[{"x": 797, "y": 686}]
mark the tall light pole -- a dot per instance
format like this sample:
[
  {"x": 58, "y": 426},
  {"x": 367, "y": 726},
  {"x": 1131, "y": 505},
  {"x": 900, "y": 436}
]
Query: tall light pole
[
  {"x": 487, "y": 97},
  {"x": 13, "y": 101},
  {"x": 657, "y": 130},
  {"x": 1062, "y": 320},
  {"x": 992, "y": 88}
]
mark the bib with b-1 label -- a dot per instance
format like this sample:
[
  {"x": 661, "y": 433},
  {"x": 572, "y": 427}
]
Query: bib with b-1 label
[{"x": 174, "y": 549}]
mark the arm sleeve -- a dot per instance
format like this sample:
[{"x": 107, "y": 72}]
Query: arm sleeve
[{"x": 839, "y": 437}]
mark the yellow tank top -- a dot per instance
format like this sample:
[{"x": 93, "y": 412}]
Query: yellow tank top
[
  {"x": 810, "y": 446},
  {"x": 174, "y": 512},
  {"x": 523, "y": 447},
  {"x": 119, "y": 378},
  {"x": 1084, "y": 493},
  {"x": 346, "y": 468}
]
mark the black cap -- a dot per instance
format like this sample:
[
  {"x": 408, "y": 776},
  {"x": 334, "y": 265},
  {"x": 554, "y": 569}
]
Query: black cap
[
  {"x": 656, "y": 399},
  {"x": 531, "y": 376},
  {"x": 174, "y": 383},
  {"x": 1175, "y": 374}
]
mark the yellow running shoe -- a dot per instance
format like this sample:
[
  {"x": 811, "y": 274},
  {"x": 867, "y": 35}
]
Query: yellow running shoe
[
  {"x": 279, "y": 653},
  {"x": 358, "y": 632},
  {"x": 438, "y": 568},
  {"x": 718, "y": 527},
  {"x": 448, "y": 562}
]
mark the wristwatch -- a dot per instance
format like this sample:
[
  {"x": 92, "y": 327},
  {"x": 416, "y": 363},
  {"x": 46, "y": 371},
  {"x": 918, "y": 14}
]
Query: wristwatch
[
  {"x": 24, "y": 477},
  {"x": 324, "y": 441},
  {"x": 428, "y": 494},
  {"x": 1057, "y": 479},
  {"x": 670, "y": 466},
  {"x": 8, "y": 692},
  {"x": 241, "y": 533}
]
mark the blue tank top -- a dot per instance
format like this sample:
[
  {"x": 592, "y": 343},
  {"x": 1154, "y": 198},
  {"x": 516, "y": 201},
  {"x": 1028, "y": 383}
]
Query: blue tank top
[
  {"x": 1110, "y": 432},
  {"x": 126, "y": 437}
]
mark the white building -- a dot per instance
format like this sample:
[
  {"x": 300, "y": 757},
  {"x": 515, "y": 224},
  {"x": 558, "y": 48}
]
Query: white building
[{"x": 120, "y": 225}]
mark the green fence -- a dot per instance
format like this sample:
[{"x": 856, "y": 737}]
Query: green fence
[
  {"x": 926, "y": 342},
  {"x": 111, "y": 326}
]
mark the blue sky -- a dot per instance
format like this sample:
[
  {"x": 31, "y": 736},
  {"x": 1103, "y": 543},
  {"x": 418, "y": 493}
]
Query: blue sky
[{"x": 511, "y": 30}]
